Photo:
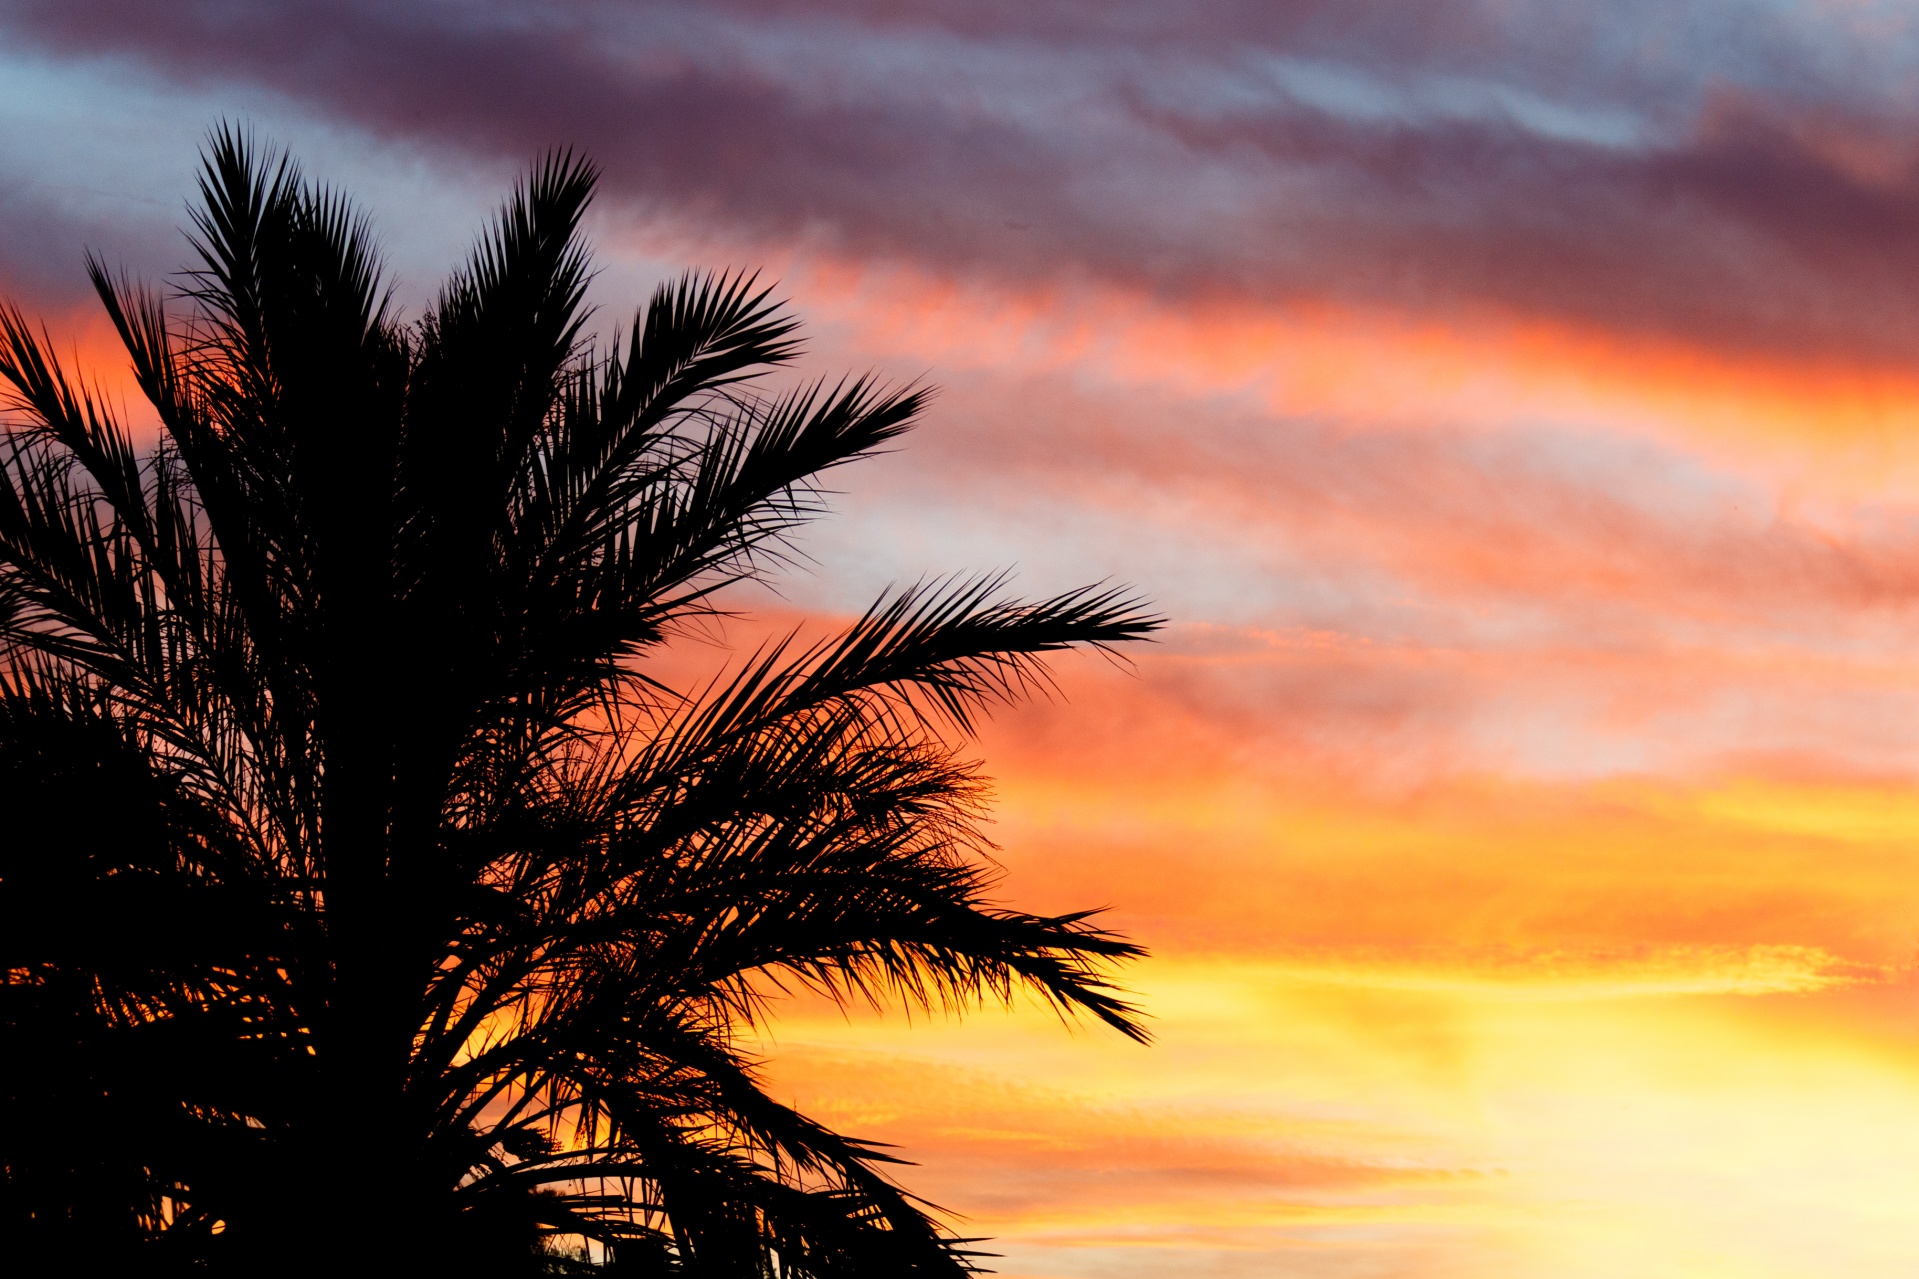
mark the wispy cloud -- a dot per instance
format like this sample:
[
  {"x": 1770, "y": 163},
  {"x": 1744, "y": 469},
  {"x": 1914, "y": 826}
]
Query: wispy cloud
[{"x": 1726, "y": 171}]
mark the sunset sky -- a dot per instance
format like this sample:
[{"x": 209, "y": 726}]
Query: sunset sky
[{"x": 1514, "y": 407}]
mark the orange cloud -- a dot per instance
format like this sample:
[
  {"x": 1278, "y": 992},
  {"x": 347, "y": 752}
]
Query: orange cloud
[
  {"x": 1209, "y": 830},
  {"x": 1370, "y": 368}
]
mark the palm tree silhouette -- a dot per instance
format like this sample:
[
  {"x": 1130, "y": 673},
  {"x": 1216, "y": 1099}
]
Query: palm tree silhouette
[{"x": 364, "y": 900}]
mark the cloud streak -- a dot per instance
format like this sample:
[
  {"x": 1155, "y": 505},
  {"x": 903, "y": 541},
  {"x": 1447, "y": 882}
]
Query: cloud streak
[{"x": 1630, "y": 172}]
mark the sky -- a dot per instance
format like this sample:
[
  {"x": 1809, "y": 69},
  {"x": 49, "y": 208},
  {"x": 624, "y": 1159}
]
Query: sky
[{"x": 1514, "y": 407}]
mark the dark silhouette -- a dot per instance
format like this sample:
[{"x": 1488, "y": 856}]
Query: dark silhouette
[{"x": 364, "y": 902}]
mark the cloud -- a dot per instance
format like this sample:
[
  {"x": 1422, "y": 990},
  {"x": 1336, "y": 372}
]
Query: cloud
[
  {"x": 1285, "y": 1122},
  {"x": 1722, "y": 172},
  {"x": 1444, "y": 810},
  {"x": 1482, "y": 535},
  {"x": 1064, "y": 1165}
]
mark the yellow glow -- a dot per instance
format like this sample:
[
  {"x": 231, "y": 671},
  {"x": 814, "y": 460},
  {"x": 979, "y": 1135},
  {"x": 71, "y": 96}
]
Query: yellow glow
[
  {"x": 1851, "y": 813},
  {"x": 1587, "y": 1036},
  {"x": 1596, "y": 1133}
]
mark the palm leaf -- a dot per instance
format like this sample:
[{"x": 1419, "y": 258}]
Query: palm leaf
[{"x": 428, "y": 921}]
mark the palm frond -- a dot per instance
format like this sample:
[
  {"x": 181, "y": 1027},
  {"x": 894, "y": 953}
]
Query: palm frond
[{"x": 413, "y": 861}]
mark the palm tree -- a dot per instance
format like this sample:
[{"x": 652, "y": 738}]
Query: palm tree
[{"x": 363, "y": 898}]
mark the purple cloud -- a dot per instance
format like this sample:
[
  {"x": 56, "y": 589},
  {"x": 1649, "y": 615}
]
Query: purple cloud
[{"x": 1709, "y": 171}]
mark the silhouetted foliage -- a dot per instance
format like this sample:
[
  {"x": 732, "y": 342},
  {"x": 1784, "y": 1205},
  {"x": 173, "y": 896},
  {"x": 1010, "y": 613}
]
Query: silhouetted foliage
[{"x": 364, "y": 901}]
